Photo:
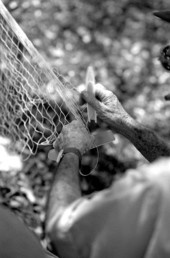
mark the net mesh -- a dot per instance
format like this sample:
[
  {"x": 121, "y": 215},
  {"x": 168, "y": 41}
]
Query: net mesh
[{"x": 35, "y": 102}]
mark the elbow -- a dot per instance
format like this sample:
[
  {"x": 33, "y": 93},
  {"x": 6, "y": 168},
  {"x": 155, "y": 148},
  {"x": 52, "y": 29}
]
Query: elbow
[
  {"x": 56, "y": 232},
  {"x": 60, "y": 238},
  {"x": 52, "y": 222}
]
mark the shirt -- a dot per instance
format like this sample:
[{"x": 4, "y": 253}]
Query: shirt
[
  {"x": 16, "y": 240},
  {"x": 130, "y": 219}
]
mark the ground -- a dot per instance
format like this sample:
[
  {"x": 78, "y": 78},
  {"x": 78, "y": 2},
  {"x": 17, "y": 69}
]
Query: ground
[{"x": 122, "y": 40}]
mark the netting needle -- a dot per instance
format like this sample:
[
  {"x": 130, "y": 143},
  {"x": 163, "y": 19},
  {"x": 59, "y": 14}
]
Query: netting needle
[{"x": 90, "y": 83}]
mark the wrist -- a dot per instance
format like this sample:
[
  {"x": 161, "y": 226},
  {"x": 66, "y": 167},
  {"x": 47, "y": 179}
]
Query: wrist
[
  {"x": 71, "y": 158},
  {"x": 70, "y": 153},
  {"x": 76, "y": 152},
  {"x": 124, "y": 126},
  {"x": 70, "y": 161},
  {"x": 77, "y": 147}
]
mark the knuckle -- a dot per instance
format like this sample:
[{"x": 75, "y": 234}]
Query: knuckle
[{"x": 99, "y": 85}]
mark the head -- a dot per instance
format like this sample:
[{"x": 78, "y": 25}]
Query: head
[{"x": 165, "y": 52}]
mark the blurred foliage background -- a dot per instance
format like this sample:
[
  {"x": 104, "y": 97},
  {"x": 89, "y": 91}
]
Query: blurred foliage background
[{"x": 122, "y": 40}]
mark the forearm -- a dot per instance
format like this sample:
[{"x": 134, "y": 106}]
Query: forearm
[
  {"x": 110, "y": 110},
  {"x": 150, "y": 145},
  {"x": 65, "y": 188}
]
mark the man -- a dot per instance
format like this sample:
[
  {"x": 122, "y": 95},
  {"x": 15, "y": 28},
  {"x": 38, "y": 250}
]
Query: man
[{"x": 132, "y": 218}]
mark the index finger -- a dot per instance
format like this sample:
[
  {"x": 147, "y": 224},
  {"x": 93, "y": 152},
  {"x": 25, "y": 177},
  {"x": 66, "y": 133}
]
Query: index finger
[{"x": 101, "y": 92}]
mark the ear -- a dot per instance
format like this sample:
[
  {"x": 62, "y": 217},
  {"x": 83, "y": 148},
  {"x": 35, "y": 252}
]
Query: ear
[{"x": 164, "y": 15}]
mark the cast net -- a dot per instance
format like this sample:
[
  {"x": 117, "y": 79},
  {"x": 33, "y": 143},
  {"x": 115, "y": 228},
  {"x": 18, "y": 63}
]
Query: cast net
[{"x": 35, "y": 102}]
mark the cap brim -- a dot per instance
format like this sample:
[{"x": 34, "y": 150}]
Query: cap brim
[{"x": 164, "y": 15}]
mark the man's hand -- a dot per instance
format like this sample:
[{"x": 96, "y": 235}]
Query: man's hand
[
  {"x": 74, "y": 135},
  {"x": 107, "y": 106}
]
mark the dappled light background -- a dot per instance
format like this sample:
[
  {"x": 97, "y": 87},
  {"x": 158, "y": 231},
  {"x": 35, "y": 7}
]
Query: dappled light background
[{"x": 122, "y": 40}]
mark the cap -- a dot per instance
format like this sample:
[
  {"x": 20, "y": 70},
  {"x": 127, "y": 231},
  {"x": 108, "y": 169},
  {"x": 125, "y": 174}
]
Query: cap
[
  {"x": 165, "y": 53},
  {"x": 164, "y": 15}
]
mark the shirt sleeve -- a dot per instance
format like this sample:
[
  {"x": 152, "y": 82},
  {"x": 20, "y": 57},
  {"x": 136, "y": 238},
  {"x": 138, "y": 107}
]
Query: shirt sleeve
[
  {"x": 127, "y": 220},
  {"x": 16, "y": 240}
]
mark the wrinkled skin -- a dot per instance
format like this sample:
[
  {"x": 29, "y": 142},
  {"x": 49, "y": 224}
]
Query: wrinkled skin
[{"x": 107, "y": 106}]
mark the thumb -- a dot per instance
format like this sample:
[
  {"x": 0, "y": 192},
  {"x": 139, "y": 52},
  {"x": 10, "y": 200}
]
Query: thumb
[{"x": 91, "y": 100}]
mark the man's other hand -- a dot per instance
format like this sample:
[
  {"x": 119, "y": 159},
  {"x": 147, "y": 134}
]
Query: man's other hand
[{"x": 74, "y": 135}]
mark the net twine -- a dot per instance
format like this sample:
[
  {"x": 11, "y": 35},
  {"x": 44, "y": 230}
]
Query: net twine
[{"x": 35, "y": 102}]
